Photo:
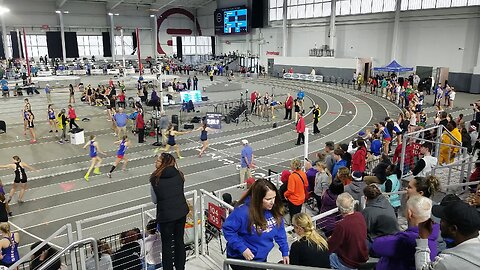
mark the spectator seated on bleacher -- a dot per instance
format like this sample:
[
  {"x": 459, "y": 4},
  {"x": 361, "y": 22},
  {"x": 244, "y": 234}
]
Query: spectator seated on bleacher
[
  {"x": 379, "y": 214},
  {"x": 153, "y": 246},
  {"x": 128, "y": 256},
  {"x": 461, "y": 223},
  {"x": 104, "y": 256},
  {"x": 397, "y": 251},
  {"x": 329, "y": 202},
  {"x": 392, "y": 184},
  {"x": 379, "y": 172},
  {"x": 347, "y": 244},
  {"x": 43, "y": 255},
  {"x": 310, "y": 249},
  {"x": 356, "y": 187}
]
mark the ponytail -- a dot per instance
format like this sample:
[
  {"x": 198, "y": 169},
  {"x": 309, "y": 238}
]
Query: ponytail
[
  {"x": 311, "y": 235},
  {"x": 428, "y": 185}
]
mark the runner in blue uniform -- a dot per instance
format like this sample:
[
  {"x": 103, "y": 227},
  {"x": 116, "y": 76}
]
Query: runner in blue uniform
[
  {"x": 123, "y": 146},
  {"x": 204, "y": 137},
  {"x": 171, "y": 141},
  {"x": 96, "y": 160},
  {"x": 9, "y": 245},
  {"x": 26, "y": 107},
  {"x": 52, "y": 118}
]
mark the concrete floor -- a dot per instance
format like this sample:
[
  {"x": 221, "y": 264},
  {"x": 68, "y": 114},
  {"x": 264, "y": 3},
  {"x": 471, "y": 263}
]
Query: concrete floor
[{"x": 58, "y": 194}]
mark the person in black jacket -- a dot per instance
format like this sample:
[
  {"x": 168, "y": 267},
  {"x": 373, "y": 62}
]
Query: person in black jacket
[
  {"x": 167, "y": 190},
  {"x": 128, "y": 256},
  {"x": 311, "y": 249}
]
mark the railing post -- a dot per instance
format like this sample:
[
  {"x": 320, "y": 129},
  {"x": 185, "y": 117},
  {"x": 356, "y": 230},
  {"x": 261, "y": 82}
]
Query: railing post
[
  {"x": 305, "y": 148},
  {"x": 142, "y": 216},
  {"x": 195, "y": 221},
  {"x": 71, "y": 240},
  {"x": 404, "y": 148},
  {"x": 82, "y": 249},
  {"x": 202, "y": 213},
  {"x": 279, "y": 180},
  {"x": 438, "y": 139}
]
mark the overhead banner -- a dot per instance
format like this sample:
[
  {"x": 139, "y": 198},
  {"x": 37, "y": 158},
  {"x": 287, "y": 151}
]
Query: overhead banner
[{"x": 303, "y": 77}]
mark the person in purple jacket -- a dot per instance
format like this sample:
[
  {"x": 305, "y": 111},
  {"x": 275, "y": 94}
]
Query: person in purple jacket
[
  {"x": 329, "y": 202},
  {"x": 252, "y": 227},
  {"x": 397, "y": 251},
  {"x": 311, "y": 172}
]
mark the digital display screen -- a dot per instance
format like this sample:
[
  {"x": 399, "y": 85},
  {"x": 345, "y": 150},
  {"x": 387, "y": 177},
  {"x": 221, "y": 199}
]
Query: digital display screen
[
  {"x": 231, "y": 21},
  {"x": 195, "y": 96},
  {"x": 214, "y": 120},
  {"x": 235, "y": 21}
]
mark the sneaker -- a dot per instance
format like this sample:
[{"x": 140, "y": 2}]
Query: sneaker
[
  {"x": 56, "y": 130},
  {"x": 109, "y": 175},
  {"x": 60, "y": 142},
  {"x": 96, "y": 171},
  {"x": 50, "y": 131},
  {"x": 180, "y": 157},
  {"x": 86, "y": 177}
]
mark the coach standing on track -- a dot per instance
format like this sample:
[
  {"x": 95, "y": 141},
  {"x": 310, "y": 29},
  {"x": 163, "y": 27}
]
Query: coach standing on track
[
  {"x": 246, "y": 161},
  {"x": 288, "y": 107}
]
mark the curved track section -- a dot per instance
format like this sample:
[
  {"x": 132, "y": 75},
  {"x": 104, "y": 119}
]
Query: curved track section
[{"x": 59, "y": 195}]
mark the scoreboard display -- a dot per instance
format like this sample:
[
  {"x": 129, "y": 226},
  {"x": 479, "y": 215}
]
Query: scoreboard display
[
  {"x": 231, "y": 21},
  {"x": 235, "y": 21},
  {"x": 214, "y": 120}
]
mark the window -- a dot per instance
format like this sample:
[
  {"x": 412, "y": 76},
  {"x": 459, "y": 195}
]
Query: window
[
  {"x": 90, "y": 45},
  {"x": 299, "y": 9},
  {"x": 366, "y": 6},
  {"x": 414, "y": 4},
  {"x": 36, "y": 45},
  {"x": 203, "y": 45},
  {"x": 127, "y": 43}
]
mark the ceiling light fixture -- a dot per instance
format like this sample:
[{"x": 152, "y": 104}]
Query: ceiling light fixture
[{"x": 110, "y": 14}]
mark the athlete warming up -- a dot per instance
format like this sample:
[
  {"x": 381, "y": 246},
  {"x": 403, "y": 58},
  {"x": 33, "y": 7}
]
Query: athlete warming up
[
  {"x": 26, "y": 107},
  {"x": 96, "y": 160},
  {"x": 20, "y": 177},
  {"x": 52, "y": 120},
  {"x": 171, "y": 141},
  {"x": 123, "y": 146},
  {"x": 204, "y": 137}
]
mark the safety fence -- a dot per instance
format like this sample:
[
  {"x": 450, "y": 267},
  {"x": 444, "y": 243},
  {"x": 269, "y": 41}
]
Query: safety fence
[
  {"x": 452, "y": 158},
  {"x": 207, "y": 209}
]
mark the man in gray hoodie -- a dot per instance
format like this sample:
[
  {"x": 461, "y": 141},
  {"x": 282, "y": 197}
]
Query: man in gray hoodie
[
  {"x": 356, "y": 187},
  {"x": 459, "y": 222}
]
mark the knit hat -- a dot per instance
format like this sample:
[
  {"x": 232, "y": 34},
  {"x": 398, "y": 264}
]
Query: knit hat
[
  {"x": 244, "y": 141},
  {"x": 285, "y": 175},
  {"x": 357, "y": 176}
]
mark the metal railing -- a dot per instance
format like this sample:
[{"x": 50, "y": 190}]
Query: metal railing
[
  {"x": 436, "y": 133},
  {"x": 57, "y": 256},
  {"x": 27, "y": 257},
  {"x": 134, "y": 217},
  {"x": 263, "y": 265},
  {"x": 240, "y": 188},
  {"x": 207, "y": 195}
]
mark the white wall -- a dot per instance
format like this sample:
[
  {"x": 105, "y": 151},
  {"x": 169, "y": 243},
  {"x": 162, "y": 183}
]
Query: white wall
[{"x": 427, "y": 38}]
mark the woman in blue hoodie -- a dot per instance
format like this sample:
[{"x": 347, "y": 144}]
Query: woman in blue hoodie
[{"x": 258, "y": 220}]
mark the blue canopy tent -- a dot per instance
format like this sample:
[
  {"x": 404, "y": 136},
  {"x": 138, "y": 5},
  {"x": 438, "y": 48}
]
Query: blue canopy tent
[{"x": 394, "y": 66}]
